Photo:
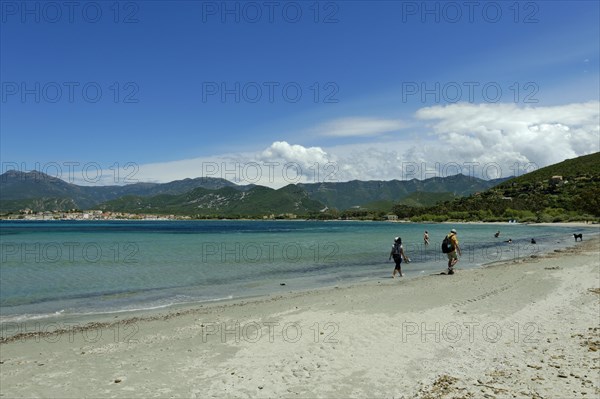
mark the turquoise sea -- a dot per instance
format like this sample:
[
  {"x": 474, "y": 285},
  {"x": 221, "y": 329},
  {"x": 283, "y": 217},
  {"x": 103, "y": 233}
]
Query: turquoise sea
[{"x": 53, "y": 268}]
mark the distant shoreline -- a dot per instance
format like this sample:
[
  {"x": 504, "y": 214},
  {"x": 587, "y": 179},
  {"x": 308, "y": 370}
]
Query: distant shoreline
[{"x": 590, "y": 224}]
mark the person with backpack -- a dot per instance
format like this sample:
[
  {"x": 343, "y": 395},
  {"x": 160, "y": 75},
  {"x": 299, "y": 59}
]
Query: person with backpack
[
  {"x": 451, "y": 248},
  {"x": 398, "y": 254}
]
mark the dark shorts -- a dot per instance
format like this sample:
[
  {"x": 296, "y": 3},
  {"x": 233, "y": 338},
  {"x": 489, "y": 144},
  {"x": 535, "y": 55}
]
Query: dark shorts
[{"x": 398, "y": 260}]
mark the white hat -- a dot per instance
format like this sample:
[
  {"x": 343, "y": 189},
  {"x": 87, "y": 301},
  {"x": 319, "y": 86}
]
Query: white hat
[
  {"x": 453, "y": 231},
  {"x": 396, "y": 238}
]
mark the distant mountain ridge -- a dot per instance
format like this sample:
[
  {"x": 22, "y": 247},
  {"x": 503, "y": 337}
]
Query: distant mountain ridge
[
  {"x": 37, "y": 191},
  {"x": 16, "y": 186},
  {"x": 223, "y": 202},
  {"x": 344, "y": 195}
]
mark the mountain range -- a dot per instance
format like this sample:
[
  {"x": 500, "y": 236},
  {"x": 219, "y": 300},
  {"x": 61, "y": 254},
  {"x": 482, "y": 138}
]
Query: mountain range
[
  {"x": 344, "y": 195},
  {"x": 207, "y": 196},
  {"x": 37, "y": 188}
]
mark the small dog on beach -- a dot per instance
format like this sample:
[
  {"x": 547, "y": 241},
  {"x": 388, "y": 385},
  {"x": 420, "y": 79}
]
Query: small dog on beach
[{"x": 580, "y": 236}]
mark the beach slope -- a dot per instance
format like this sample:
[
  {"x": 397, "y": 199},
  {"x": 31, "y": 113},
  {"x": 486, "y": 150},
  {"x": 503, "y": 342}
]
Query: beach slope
[{"x": 525, "y": 328}]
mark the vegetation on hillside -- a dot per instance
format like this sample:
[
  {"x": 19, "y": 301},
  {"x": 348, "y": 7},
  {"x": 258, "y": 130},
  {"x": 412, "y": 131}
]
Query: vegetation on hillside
[
  {"x": 566, "y": 191},
  {"x": 225, "y": 202},
  {"x": 357, "y": 193}
]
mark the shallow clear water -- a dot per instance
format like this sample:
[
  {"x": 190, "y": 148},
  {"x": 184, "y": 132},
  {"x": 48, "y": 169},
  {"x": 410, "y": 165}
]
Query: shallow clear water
[{"x": 63, "y": 267}]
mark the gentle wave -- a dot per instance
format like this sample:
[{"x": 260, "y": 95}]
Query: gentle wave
[{"x": 32, "y": 317}]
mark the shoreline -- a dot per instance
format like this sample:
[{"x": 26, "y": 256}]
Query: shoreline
[
  {"x": 521, "y": 328},
  {"x": 110, "y": 318},
  {"x": 169, "y": 311},
  {"x": 590, "y": 224},
  {"x": 574, "y": 224}
]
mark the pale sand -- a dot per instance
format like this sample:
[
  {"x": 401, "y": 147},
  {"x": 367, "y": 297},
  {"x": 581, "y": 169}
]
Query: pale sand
[{"x": 522, "y": 329}]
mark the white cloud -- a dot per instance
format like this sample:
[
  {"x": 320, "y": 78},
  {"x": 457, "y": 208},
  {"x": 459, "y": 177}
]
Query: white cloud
[
  {"x": 353, "y": 127},
  {"x": 488, "y": 140},
  {"x": 278, "y": 165},
  {"x": 282, "y": 151},
  {"x": 505, "y": 133}
]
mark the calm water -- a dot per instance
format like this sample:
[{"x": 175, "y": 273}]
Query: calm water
[{"x": 70, "y": 268}]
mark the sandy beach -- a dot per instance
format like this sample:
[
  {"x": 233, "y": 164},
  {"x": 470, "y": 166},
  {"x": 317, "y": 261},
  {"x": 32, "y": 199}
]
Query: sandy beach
[{"x": 524, "y": 328}]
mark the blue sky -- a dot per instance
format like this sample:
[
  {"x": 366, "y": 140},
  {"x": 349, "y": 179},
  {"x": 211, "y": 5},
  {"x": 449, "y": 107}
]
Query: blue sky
[{"x": 361, "y": 68}]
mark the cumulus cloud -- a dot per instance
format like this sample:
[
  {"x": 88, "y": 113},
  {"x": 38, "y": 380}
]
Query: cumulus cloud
[
  {"x": 353, "y": 127},
  {"x": 277, "y": 165},
  {"x": 505, "y": 133},
  {"x": 282, "y": 151},
  {"x": 488, "y": 140}
]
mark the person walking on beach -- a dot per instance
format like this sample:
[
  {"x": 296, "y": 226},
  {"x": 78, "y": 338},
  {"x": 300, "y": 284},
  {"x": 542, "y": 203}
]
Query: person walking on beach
[
  {"x": 426, "y": 237},
  {"x": 398, "y": 254},
  {"x": 455, "y": 252}
]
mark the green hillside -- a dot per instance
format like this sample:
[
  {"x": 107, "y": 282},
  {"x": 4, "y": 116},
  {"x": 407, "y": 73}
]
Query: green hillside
[
  {"x": 224, "y": 202},
  {"x": 569, "y": 190},
  {"x": 18, "y": 189},
  {"x": 379, "y": 206},
  {"x": 418, "y": 199},
  {"x": 346, "y": 195},
  {"x": 570, "y": 169},
  {"x": 424, "y": 199},
  {"x": 37, "y": 205}
]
